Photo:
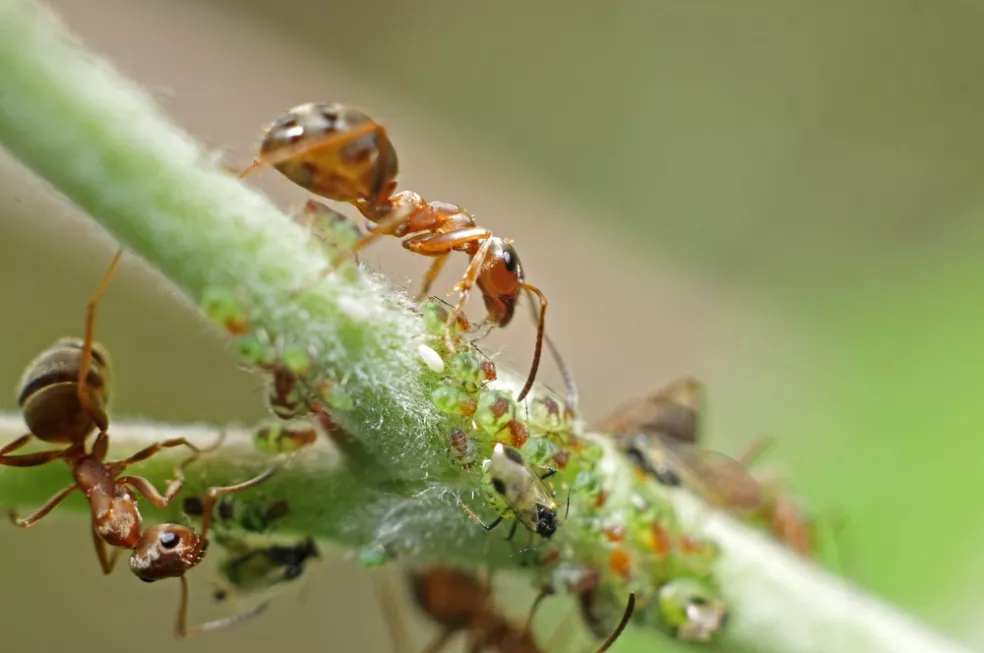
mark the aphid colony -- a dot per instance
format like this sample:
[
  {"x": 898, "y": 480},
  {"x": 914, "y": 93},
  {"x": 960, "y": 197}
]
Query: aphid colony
[{"x": 537, "y": 462}]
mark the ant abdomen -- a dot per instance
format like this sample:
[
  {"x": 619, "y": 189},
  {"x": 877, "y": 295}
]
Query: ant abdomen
[
  {"x": 48, "y": 394},
  {"x": 333, "y": 151}
]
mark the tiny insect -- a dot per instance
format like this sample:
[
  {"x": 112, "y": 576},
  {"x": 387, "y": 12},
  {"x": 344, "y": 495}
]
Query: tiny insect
[
  {"x": 63, "y": 396},
  {"x": 660, "y": 432},
  {"x": 689, "y": 611},
  {"x": 251, "y": 570},
  {"x": 254, "y": 516},
  {"x": 523, "y": 492},
  {"x": 459, "y": 602},
  {"x": 342, "y": 154}
]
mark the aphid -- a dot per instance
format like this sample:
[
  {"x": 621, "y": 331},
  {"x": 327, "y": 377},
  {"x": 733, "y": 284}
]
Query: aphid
[
  {"x": 523, "y": 492},
  {"x": 689, "y": 611},
  {"x": 661, "y": 432},
  {"x": 63, "y": 396},
  {"x": 254, "y": 516},
  {"x": 284, "y": 437},
  {"x": 257, "y": 570},
  {"x": 458, "y": 601},
  {"x": 342, "y": 154}
]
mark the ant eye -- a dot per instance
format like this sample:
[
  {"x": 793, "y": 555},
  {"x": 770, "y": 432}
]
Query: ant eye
[
  {"x": 510, "y": 258},
  {"x": 169, "y": 540}
]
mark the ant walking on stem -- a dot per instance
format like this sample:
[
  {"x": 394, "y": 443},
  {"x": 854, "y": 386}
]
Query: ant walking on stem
[
  {"x": 342, "y": 154},
  {"x": 63, "y": 396}
]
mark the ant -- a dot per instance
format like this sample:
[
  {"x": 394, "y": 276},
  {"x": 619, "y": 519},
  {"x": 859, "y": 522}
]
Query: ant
[
  {"x": 458, "y": 601},
  {"x": 63, "y": 395},
  {"x": 342, "y": 154}
]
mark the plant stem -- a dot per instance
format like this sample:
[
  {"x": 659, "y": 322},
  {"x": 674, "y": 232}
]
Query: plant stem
[{"x": 101, "y": 142}]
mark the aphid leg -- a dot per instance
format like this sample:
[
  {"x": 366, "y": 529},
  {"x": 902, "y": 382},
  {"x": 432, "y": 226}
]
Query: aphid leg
[
  {"x": 107, "y": 562},
  {"x": 629, "y": 609},
  {"x": 50, "y": 505},
  {"x": 435, "y": 269},
  {"x": 538, "y": 348},
  {"x": 567, "y": 510},
  {"x": 90, "y": 331},
  {"x": 512, "y": 531},
  {"x": 547, "y": 474},
  {"x": 565, "y": 373},
  {"x": 492, "y": 524},
  {"x": 217, "y": 624}
]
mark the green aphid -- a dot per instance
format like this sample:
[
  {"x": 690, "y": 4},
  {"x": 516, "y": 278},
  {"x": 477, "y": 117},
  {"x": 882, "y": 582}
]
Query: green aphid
[
  {"x": 547, "y": 415},
  {"x": 466, "y": 368},
  {"x": 587, "y": 483},
  {"x": 373, "y": 556},
  {"x": 495, "y": 410},
  {"x": 295, "y": 360},
  {"x": 689, "y": 610},
  {"x": 436, "y": 313},
  {"x": 256, "y": 351},
  {"x": 254, "y": 569},
  {"x": 338, "y": 399},
  {"x": 221, "y": 306},
  {"x": 330, "y": 226},
  {"x": 539, "y": 451},
  {"x": 453, "y": 400},
  {"x": 284, "y": 437}
]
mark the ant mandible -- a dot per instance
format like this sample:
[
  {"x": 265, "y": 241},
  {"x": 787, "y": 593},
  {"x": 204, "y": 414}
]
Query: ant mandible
[
  {"x": 63, "y": 395},
  {"x": 342, "y": 154}
]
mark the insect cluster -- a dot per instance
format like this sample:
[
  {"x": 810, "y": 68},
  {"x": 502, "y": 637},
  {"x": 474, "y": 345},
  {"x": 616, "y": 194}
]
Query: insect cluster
[{"x": 540, "y": 465}]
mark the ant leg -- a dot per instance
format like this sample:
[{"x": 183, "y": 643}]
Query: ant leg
[
  {"x": 465, "y": 287},
  {"x": 33, "y": 459},
  {"x": 217, "y": 624},
  {"x": 565, "y": 373},
  {"x": 435, "y": 270},
  {"x": 43, "y": 510},
  {"x": 106, "y": 562},
  {"x": 16, "y": 444},
  {"x": 629, "y": 609},
  {"x": 396, "y": 626},
  {"x": 174, "y": 486},
  {"x": 215, "y": 492},
  {"x": 90, "y": 328},
  {"x": 440, "y": 642},
  {"x": 755, "y": 450}
]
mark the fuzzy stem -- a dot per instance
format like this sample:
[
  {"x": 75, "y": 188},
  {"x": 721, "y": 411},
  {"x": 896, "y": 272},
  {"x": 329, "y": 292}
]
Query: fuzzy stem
[{"x": 102, "y": 143}]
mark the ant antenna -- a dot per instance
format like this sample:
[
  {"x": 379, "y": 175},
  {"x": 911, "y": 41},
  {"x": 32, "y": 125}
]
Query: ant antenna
[
  {"x": 756, "y": 450},
  {"x": 569, "y": 383},
  {"x": 629, "y": 609},
  {"x": 540, "y": 329}
]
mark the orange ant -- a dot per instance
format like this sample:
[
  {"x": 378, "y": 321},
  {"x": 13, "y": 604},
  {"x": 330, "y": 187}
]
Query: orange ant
[
  {"x": 458, "y": 601},
  {"x": 63, "y": 395},
  {"x": 342, "y": 154}
]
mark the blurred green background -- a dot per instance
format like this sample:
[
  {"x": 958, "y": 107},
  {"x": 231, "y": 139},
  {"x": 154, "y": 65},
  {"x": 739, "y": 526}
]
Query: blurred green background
[{"x": 781, "y": 198}]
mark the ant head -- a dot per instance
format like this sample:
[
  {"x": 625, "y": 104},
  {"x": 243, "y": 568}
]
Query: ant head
[
  {"x": 333, "y": 151},
  {"x": 500, "y": 281},
  {"x": 166, "y": 551}
]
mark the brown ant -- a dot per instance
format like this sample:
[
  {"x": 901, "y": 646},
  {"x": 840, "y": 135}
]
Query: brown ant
[
  {"x": 459, "y": 601},
  {"x": 63, "y": 395},
  {"x": 342, "y": 154}
]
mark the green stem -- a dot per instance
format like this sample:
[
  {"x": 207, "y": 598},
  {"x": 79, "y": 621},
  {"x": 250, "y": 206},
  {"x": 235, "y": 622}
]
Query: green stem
[{"x": 101, "y": 141}]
